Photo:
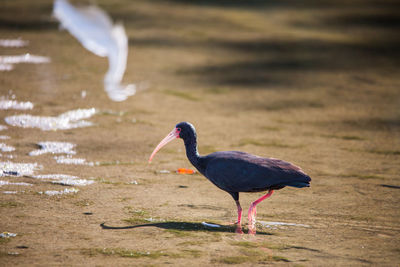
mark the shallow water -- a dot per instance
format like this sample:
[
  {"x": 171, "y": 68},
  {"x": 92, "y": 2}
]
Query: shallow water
[
  {"x": 73, "y": 182},
  {"x": 62, "y": 192},
  {"x": 273, "y": 78},
  {"x": 54, "y": 176},
  {"x": 10, "y": 183},
  {"x": 13, "y": 43},
  {"x": 10, "y": 192},
  {"x": 6, "y": 148},
  {"x": 13, "y": 104},
  {"x": 7, "y": 235},
  {"x": 18, "y": 169},
  {"x": 69, "y": 120},
  {"x": 71, "y": 160},
  {"x": 53, "y": 148},
  {"x": 7, "y": 62},
  {"x": 276, "y": 224}
]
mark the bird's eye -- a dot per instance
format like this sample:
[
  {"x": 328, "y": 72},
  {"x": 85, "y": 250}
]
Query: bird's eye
[{"x": 178, "y": 130}]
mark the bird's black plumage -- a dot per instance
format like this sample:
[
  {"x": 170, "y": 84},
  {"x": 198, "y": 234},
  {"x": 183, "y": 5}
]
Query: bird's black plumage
[{"x": 235, "y": 171}]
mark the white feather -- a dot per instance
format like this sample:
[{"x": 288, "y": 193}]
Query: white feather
[{"x": 95, "y": 31}]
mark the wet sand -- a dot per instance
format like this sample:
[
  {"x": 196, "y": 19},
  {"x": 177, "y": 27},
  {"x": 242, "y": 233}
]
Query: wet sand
[{"x": 313, "y": 83}]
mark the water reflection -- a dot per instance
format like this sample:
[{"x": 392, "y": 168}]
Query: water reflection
[
  {"x": 95, "y": 31},
  {"x": 13, "y": 43},
  {"x": 6, "y": 148},
  {"x": 274, "y": 225},
  {"x": 73, "y": 182},
  {"x": 9, "y": 183},
  {"x": 68, "y": 120},
  {"x": 53, "y": 148},
  {"x": 7, "y": 62},
  {"x": 18, "y": 169},
  {"x": 13, "y": 104},
  {"x": 62, "y": 192},
  {"x": 72, "y": 161}
]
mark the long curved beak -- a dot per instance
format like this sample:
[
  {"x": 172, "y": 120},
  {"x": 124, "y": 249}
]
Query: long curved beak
[{"x": 171, "y": 136}]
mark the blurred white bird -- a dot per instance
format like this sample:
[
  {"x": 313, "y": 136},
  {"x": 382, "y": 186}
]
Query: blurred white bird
[{"x": 96, "y": 32}]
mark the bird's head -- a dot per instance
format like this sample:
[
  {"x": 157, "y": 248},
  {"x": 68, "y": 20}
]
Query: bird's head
[{"x": 184, "y": 130}]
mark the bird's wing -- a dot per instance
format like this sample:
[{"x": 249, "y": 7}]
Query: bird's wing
[
  {"x": 234, "y": 175},
  {"x": 242, "y": 172},
  {"x": 91, "y": 26}
]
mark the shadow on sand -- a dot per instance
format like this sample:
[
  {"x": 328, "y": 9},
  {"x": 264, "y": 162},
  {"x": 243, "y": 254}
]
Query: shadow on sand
[{"x": 181, "y": 226}]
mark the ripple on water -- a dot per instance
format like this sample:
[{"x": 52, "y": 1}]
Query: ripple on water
[
  {"x": 54, "y": 176},
  {"x": 7, "y": 235},
  {"x": 68, "y": 120},
  {"x": 73, "y": 182},
  {"x": 53, "y": 148},
  {"x": 17, "y": 169},
  {"x": 64, "y": 179},
  {"x": 73, "y": 161},
  {"x": 7, "y": 62},
  {"x": 62, "y": 192},
  {"x": 13, "y": 43},
  {"x": 13, "y": 104},
  {"x": 275, "y": 224},
  {"x": 7, "y": 156},
  {"x": 6, "y": 148},
  {"x": 10, "y": 192},
  {"x": 9, "y": 183},
  {"x": 6, "y": 67},
  {"x": 24, "y": 58}
]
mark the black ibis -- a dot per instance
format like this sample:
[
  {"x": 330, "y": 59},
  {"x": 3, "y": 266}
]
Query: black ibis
[{"x": 235, "y": 171}]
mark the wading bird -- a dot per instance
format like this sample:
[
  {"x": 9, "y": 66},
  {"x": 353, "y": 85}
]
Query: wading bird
[{"x": 235, "y": 171}]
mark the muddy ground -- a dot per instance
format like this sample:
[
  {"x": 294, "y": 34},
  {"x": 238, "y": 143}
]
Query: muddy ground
[{"x": 315, "y": 83}]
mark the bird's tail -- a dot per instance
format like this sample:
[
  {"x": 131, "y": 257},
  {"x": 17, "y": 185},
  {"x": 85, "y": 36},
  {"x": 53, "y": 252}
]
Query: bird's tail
[{"x": 304, "y": 182}]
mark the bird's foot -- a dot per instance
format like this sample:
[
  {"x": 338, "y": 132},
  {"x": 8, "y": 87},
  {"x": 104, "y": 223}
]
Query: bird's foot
[
  {"x": 252, "y": 226},
  {"x": 239, "y": 229},
  {"x": 252, "y": 219},
  {"x": 252, "y": 231}
]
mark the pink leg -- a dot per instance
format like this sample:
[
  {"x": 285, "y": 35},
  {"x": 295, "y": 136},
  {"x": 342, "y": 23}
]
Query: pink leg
[
  {"x": 239, "y": 211},
  {"x": 239, "y": 220},
  {"x": 253, "y": 212}
]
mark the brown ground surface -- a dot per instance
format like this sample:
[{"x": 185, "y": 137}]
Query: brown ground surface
[{"x": 315, "y": 83}]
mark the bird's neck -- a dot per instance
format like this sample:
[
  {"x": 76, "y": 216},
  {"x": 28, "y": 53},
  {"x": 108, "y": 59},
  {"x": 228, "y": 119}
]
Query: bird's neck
[{"x": 192, "y": 153}]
